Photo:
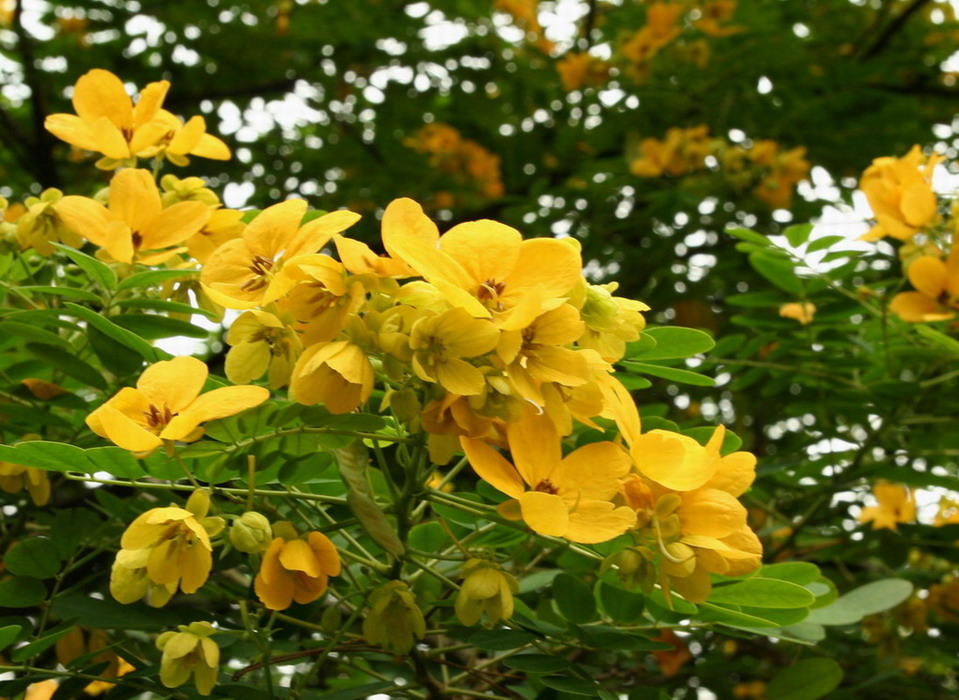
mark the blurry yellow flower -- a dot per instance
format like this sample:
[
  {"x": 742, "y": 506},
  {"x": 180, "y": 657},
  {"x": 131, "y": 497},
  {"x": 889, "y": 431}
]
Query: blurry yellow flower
[
  {"x": 947, "y": 513},
  {"x": 43, "y": 690},
  {"x": 486, "y": 589},
  {"x": 802, "y": 312},
  {"x": 895, "y": 504},
  {"x": 715, "y": 14},
  {"x": 16, "y": 477},
  {"x": 107, "y": 121},
  {"x": 181, "y": 140},
  {"x": 899, "y": 190},
  {"x": 169, "y": 547},
  {"x": 40, "y": 225},
  {"x": 135, "y": 227},
  {"x": 260, "y": 267},
  {"x": 167, "y": 405},
  {"x": 937, "y": 289},
  {"x": 76, "y": 643},
  {"x": 189, "y": 652},
  {"x": 439, "y": 343},
  {"x": 577, "y": 70},
  {"x": 259, "y": 342},
  {"x": 295, "y": 568},
  {"x": 483, "y": 266},
  {"x": 338, "y": 375},
  {"x": 394, "y": 620},
  {"x": 569, "y": 496}
]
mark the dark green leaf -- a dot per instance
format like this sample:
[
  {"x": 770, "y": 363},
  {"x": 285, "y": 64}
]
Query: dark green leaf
[
  {"x": 536, "y": 663},
  {"x": 673, "y": 374},
  {"x": 121, "y": 335},
  {"x": 807, "y": 679},
  {"x": 69, "y": 364},
  {"x": 99, "y": 272},
  {"x": 152, "y": 278},
  {"x": 21, "y": 592},
  {"x": 574, "y": 598},
  {"x": 622, "y": 606},
  {"x": 34, "y": 556},
  {"x": 500, "y": 640}
]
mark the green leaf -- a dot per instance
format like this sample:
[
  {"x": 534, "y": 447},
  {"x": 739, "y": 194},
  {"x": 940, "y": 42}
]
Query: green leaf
[
  {"x": 151, "y": 278},
  {"x": 574, "y": 599},
  {"x": 799, "y": 572},
  {"x": 154, "y": 327},
  {"x": 353, "y": 462},
  {"x": 42, "y": 644},
  {"x": 777, "y": 270},
  {"x": 10, "y": 633},
  {"x": 673, "y": 342},
  {"x": 70, "y": 527},
  {"x": 34, "y": 556},
  {"x": 744, "y": 234},
  {"x": 99, "y": 272},
  {"x": 428, "y": 537},
  {"x": 622, "y": 606},
  {"x": 536, "y": 663},
  {"x": 798, "y": 234},
  {"x": 359, "y": 692},
  {"x": 30, "y": 332},
  {"x": 168, "y": 306},
  {"x": 951, "y": 345},
  {"x": 61, "y": 457},
  {"x": 112, "y": 354},
  {"x": 870, "y": 599},
  {"x": 21, "y": 592},
  {"x": 500, "y": 640},
  {"x": 823, "y": 243},
  {"x": 763, "y": 593},
  {"x": 758, "y": 299},
  {"x": 673, "y": 374},
  {"x": 71, "y": 292},
  {"x": 572, "y": 685},
  {"x": 807, "y": 679},
  {"x": 109, "y": 614},
  {"x": 69, "y": 364},
  {"x": 121, "y": 335}
]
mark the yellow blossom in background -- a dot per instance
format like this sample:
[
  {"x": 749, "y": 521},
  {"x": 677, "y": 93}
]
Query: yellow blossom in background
[
  {"x": 43, "y": 690},
  {"x": 261, "y": 342},
  {"x": 947, "y": 513},
  {"x": 135, "y": 226},
  {"x": 662, "y": 27},
  {"x": 182, "y": 140},
  {"x": 470, "y": 165},
  {"x": 189, "y": 652},
  {"x": 937, "y": 289},
  {"x": 394, "y": 620},
  {"x": 682, "y": 151},
  {"x": 580, "y": 69},
  {"x": 896, "y": 504},
  {"x": 715, "y": 16},
  {"x": 17, "y": 477},
  {"x": 40, "y": 225},
  {"x": 568, "y": 497},
  {"x": 166, "y": 547},
  {"x": 486, "y": 589},
  {"x": 899, "y": 190},
  {"x": 107, "y": 121},
  {"x": 167, "y": 405},
  {"x": 799, "y": 311},
  {"x": 525, "y": 14},
  {"x": 261, "y": 267},
  {"x": 77, "y": 642},
  {"x": 783, "y": 171},
  {"x": 295, "y": 568}
]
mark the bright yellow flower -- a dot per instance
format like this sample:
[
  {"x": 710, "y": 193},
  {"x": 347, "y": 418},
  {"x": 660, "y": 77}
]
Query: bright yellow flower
[
  {"x": 260, "y": 341},
  {"x": 295, "y": 568},
  {"x": 135, "y": 227},
  {"x": 107, "y": 121},
  {"x": 937, "y": 289},
  {"x": 610, "y": 321},
  {"x": 900, "y": 193},
  {"x": 16, "y": 477},
  {"x": 569, "y": 496},
  {"x": 181, "y": 140},
  {"x": 439, "y": 343},
  {"x": 486, "y": 589},
  {"x": 167, "y": 405},
  {"x": 802, "y": 312},
  {"x": 169, "y": 547},
  {"x": 324, "y": 299},
  {"x": 42, "y": 690},
  {"x": 261, "y": 267},
  {"x": 224, "y": 225},
  {"x": 189, "y": 652},
  {"x": 483, "y": 266},
  {"x": 338, "y": 375},
  {"x": 895, "y": 504}
]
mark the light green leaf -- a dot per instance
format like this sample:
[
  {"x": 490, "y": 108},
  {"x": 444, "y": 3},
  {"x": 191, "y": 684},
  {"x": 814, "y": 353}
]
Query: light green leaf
[
  {"x": 763, "y": 593},
  {"x": 807, "y": 679},
  {"x": 99, "y": 272},
  {"x": 673, "y": 343},
  {"x": 870, "y": 599},
  {"x": 673, "y": 374}
]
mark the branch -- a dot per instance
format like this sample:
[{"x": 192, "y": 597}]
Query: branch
[{"x": 893, "y": 28}]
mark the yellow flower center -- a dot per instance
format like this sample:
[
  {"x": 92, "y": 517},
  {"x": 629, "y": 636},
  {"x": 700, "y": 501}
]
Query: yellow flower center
[
  {"x": 489, "y": 294},
  {"x": 546, "y": 486},
  {"x": 262, "y": 268},
  {"x": 157, "y": 419}
]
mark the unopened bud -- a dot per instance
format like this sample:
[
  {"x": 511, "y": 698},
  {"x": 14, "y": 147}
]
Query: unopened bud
[{"x": 251, "y": 533}]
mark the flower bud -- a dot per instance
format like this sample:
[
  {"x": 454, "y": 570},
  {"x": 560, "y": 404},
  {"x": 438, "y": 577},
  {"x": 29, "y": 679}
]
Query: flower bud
[
  {"x": 251, "y": 533},
  {"x": 394, "y": 621},
  {"x": 486, "y": 588}
]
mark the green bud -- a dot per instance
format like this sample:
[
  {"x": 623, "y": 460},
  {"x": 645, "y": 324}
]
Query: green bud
[{"x": 251, "y": 533}]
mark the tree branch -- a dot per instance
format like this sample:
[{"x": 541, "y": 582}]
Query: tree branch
[{"x": 893, "y": 28}]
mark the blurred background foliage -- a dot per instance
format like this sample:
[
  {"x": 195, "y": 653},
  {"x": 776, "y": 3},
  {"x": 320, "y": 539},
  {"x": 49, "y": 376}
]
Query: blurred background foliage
[{"x": 645, "y": 130}]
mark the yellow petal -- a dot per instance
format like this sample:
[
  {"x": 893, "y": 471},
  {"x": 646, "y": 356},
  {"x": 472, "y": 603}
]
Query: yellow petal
[
  {"x": 99, "y": 93},
  {"x": 274, "y": 227},
  {"x": 916, "y": 307},
  {"x": 486, "y": 250},
  {"x": 735, "y": 473},
  {"x": 219, "y": 403},
  {"x": 535, "y": 446},
  {"x": 85, "y": 216},
  {"x": 592, "y": 472},
  {"x": 598, "y": 521},
  {"x": 928, "y": 275},
  {"x": 187, "y": 136},
  {"x": 545, "y": 513},
  {"x": 211, "y": 147},
  {"x": 297, "y": 555},
  {"x": 547, "y": 265},
  {"x": 73, "y": 130},
  {"x": 676, "y": 461},
  {"x": 460, "y": 377},
  {"x": 325, "y": 552},
  {"x": 146, "y": 136},
  {"x": 247, "y": 361},
  {"x": 276, "y": 595},
  {"x": 918, "y": 204},
  {"x": 122, "y": 430},
  {"x": 317, "y": 233},
  {"x": 134, "y": 198},
  {"x": 711, "y": 512},
  {"x": 174, "y": 225},
  {"x": 109, "y": 138},
  {"x": 150, "y": 101},
  {"x": 173, "y": 383},
  {"x": 492, "y": 467},
  {"x": 404, "y": 217},
  {"x": 196, "y": 563}
]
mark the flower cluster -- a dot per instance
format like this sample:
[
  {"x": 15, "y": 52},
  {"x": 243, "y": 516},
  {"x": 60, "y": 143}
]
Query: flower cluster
[
  {"x": 472, "y": 167},
  {"x": 770, "y": 173}
]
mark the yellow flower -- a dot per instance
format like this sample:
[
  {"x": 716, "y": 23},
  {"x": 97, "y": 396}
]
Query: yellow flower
[
  {"x": 107, "y": 121},
  {"x": 189, "y": 652},
  {"x": 581, "y": 69},
  {"x": 937, "y": 289},
  {"x": 610, "y": 321},
  {"x": 715, "y": 14},
  {"x": 40, "y": 225},
  {"x": 261, "y": 267},
  {"x": 338, "y": 375},
  {"x": 295, "y": 568},
  {"x": 486, "y": 588},
  {"x": 135, "y": 227},
  {"x": 895, "y": 504},
  {"x": 569, "y": 496},
  {"x": 16, "y": 477},
  {"x": 899, "y": 190},
  {"x": 438, "y": 343},
  {"x": 181, "y": 140},
  {"x": 802, "y": 312},
  {"x": 484, "y": 266},
  {"x": 169, "y": 547},
  {"x": 260, "y": 342},
  {"x": 224, "y": 225},
  {"x": 167, "y": 405}
]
